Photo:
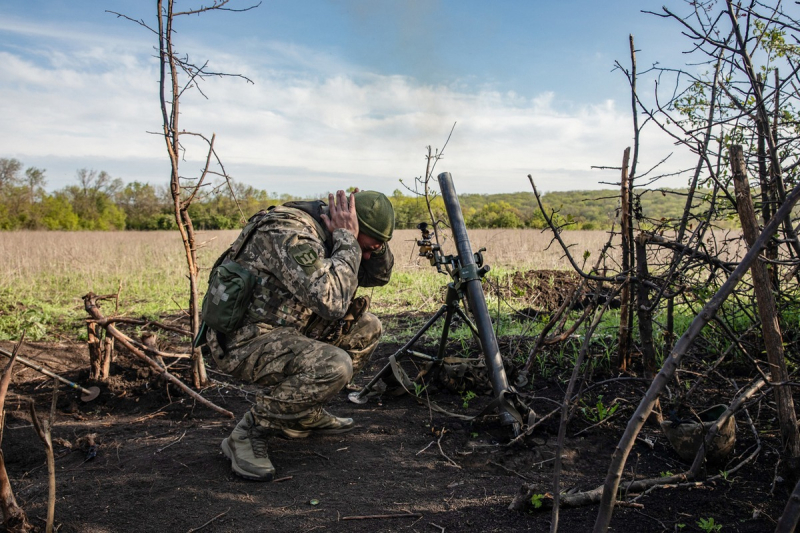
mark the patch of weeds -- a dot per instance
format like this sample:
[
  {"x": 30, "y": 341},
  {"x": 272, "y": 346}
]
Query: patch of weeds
[
  {"x": 605, "y": 346},
  {"x": 709, "y": 525},
  {"x": 466, "y": 397},
  {"x": 32, "y": 320},
  {"x": 536, "y": 500},
  {"x": 600, "y": 411}
]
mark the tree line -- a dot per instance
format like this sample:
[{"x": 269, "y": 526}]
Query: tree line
[{"x": 97, "y": 201}]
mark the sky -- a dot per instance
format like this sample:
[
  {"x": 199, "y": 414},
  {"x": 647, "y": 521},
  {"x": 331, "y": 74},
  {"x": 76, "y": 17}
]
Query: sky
[{"x": 344, "y": 92}]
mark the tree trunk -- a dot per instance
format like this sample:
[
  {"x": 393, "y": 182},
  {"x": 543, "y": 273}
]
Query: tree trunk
[
  {"x": 767, "y": 312},
  {"x": 14, "y": 518},
  {"x": 170, "y": 116},
  {"x": 624, "y": 353},
  {"x": 108, "y": 355},
  {"x": 643, "y": 312},
  {"x": 95, "y": 352}
]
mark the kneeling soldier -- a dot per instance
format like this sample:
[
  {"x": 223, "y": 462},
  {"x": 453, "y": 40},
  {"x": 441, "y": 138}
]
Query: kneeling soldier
[{"x": 303, "y": 334}]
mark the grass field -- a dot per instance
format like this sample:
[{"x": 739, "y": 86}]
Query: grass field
[{"x": 43, "y": 275}]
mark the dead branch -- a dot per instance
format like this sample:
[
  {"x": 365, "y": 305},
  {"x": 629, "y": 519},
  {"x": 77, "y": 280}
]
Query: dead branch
[
  {"x": 557, "y": 236},
  {"x": 564, "y": 309},
  {"x": 14, "y": 517},
  {"x": 562, "y": 428},
  {"x": 672, "y": 362},
  {"x": 382, "y": 516},
  {"x": 44, "y": 432},
  {"x": 220, "y": 515},
  {"x": 626, "y": 224},
  {"x": 139, "y": 322},
  {"x": 91, "y": 307},
  {"x": 643, "y": 486},
  {"x": 773, "y": 341},
  {"x": 791, "y": 513}
]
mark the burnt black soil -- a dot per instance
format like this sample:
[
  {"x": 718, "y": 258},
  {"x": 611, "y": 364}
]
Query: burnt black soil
[{"x": 158, "y": 465}]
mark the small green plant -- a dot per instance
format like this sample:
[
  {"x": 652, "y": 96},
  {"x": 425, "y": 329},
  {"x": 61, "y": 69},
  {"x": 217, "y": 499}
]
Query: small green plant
[
  {"x": 600, "y": 411},
  {"x": 724, "y": 474},
  {"x": 466, "y": 397},
  {"x": 708, "y": 525},
  {"x": 667, "y": 473},
  {"x": 419, "y": 388},
  {"x": 680, "y": 526},
  {"x": 474, "y": 434},
  {"x": 536, "y": 500}
]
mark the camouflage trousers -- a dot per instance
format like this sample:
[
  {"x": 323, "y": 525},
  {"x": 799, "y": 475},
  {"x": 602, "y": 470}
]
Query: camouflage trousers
[{"x": 303, "y": 373}]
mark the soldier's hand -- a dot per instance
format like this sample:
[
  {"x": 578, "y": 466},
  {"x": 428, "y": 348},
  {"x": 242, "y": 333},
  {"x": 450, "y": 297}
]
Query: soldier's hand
[{"x": 342, "y": 213}]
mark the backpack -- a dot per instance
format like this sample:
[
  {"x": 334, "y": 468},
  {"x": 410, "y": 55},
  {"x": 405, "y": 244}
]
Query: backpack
[{"x": 230, "y": 287}]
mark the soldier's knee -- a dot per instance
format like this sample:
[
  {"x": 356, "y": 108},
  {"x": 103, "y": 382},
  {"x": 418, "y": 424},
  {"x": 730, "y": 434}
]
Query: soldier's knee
[
  {"x": 338, "y": 365},
  {"x": 370, "y": 328}
]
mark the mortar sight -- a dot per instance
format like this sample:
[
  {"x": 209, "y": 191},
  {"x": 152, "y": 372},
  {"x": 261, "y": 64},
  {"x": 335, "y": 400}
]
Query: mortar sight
[{"x": 426, "y": 248}]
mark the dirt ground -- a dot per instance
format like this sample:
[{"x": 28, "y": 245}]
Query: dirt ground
[{"x": 158, "y": 465}]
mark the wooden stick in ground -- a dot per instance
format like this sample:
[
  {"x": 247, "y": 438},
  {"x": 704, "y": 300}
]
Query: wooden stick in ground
[
  {"x": 562, "y": 428},
  {"x": 14, "y": 518},
  {"x": 773, "y": 341},
  {"x": 791, "y": 513},
  {"x": 643, "y": 309},
  {"x": 90, "y": 305},
  {"x": 671, "y": 363},
  {"x": 624, "y": 353},
  {"x": 43, "y": 430},
  {"x": 95, "y": 356}
]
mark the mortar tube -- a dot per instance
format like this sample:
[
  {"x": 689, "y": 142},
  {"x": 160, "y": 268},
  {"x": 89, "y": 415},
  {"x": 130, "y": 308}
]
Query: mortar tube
[{"x": 475, "y": 296}]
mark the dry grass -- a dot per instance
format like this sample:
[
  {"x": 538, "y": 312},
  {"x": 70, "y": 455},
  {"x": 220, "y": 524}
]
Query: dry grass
[
  {"x": 43, "y": 275},
  {"x": 517, "y": 249},
  {"x": 98, "y": 261}
]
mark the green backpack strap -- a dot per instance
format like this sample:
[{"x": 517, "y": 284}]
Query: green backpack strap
[
  {"x": 243, "y": 292},
  {"x": 239, "y": 243}
]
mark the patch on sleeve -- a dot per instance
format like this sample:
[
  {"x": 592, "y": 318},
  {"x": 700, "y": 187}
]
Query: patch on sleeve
[{"x": 304, "y": 255}]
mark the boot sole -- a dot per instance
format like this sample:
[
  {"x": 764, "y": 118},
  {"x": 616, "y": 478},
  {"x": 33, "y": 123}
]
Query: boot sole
[
  {"x": 238, "y": 470},
  {"x": 303, "y": 433}
]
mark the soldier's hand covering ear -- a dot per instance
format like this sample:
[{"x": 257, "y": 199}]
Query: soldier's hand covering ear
[{"x": 342, "y": 213}]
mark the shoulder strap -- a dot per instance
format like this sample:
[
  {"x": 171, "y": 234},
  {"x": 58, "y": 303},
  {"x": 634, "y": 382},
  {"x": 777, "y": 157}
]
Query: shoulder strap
[{"x": 247, "y": 231}]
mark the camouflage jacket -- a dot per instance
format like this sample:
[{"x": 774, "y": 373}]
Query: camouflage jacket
[{"x": 303, "y": 269}]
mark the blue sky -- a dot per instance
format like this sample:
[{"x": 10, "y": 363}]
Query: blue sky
[{"x": 345, "y": 93}]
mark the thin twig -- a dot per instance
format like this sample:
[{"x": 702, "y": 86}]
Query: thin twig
[
  {"x": 382, "y": 516},
  {"x": 220, "y": 515},
  {"x": 176, "y": 441}
]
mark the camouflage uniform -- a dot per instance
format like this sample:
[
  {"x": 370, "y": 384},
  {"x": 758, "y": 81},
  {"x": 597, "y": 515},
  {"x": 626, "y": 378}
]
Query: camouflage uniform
[{"x": 304, "y": 272}]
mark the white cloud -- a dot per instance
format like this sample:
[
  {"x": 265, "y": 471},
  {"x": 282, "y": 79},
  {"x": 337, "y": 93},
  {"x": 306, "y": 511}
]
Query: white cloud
[{"x": 311, "y": 122}]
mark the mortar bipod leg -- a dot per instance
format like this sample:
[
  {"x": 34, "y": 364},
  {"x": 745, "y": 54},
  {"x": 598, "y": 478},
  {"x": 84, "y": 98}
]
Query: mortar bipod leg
[{"x": 360, "y": 397}]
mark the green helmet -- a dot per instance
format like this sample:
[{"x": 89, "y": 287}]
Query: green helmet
[{"x": 375, "y": 215}]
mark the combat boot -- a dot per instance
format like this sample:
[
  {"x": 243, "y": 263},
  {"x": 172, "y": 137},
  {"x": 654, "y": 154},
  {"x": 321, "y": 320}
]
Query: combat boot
[
  {"x": 319, "y": 423},
  {"x": 246, "y": 447}
]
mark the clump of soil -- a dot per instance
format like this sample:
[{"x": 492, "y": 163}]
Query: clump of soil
[{"x": 546, "y": 288}]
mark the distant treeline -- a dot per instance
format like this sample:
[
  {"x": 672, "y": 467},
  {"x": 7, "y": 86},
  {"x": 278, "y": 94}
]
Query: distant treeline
[{"x": 99, "y": 202}]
